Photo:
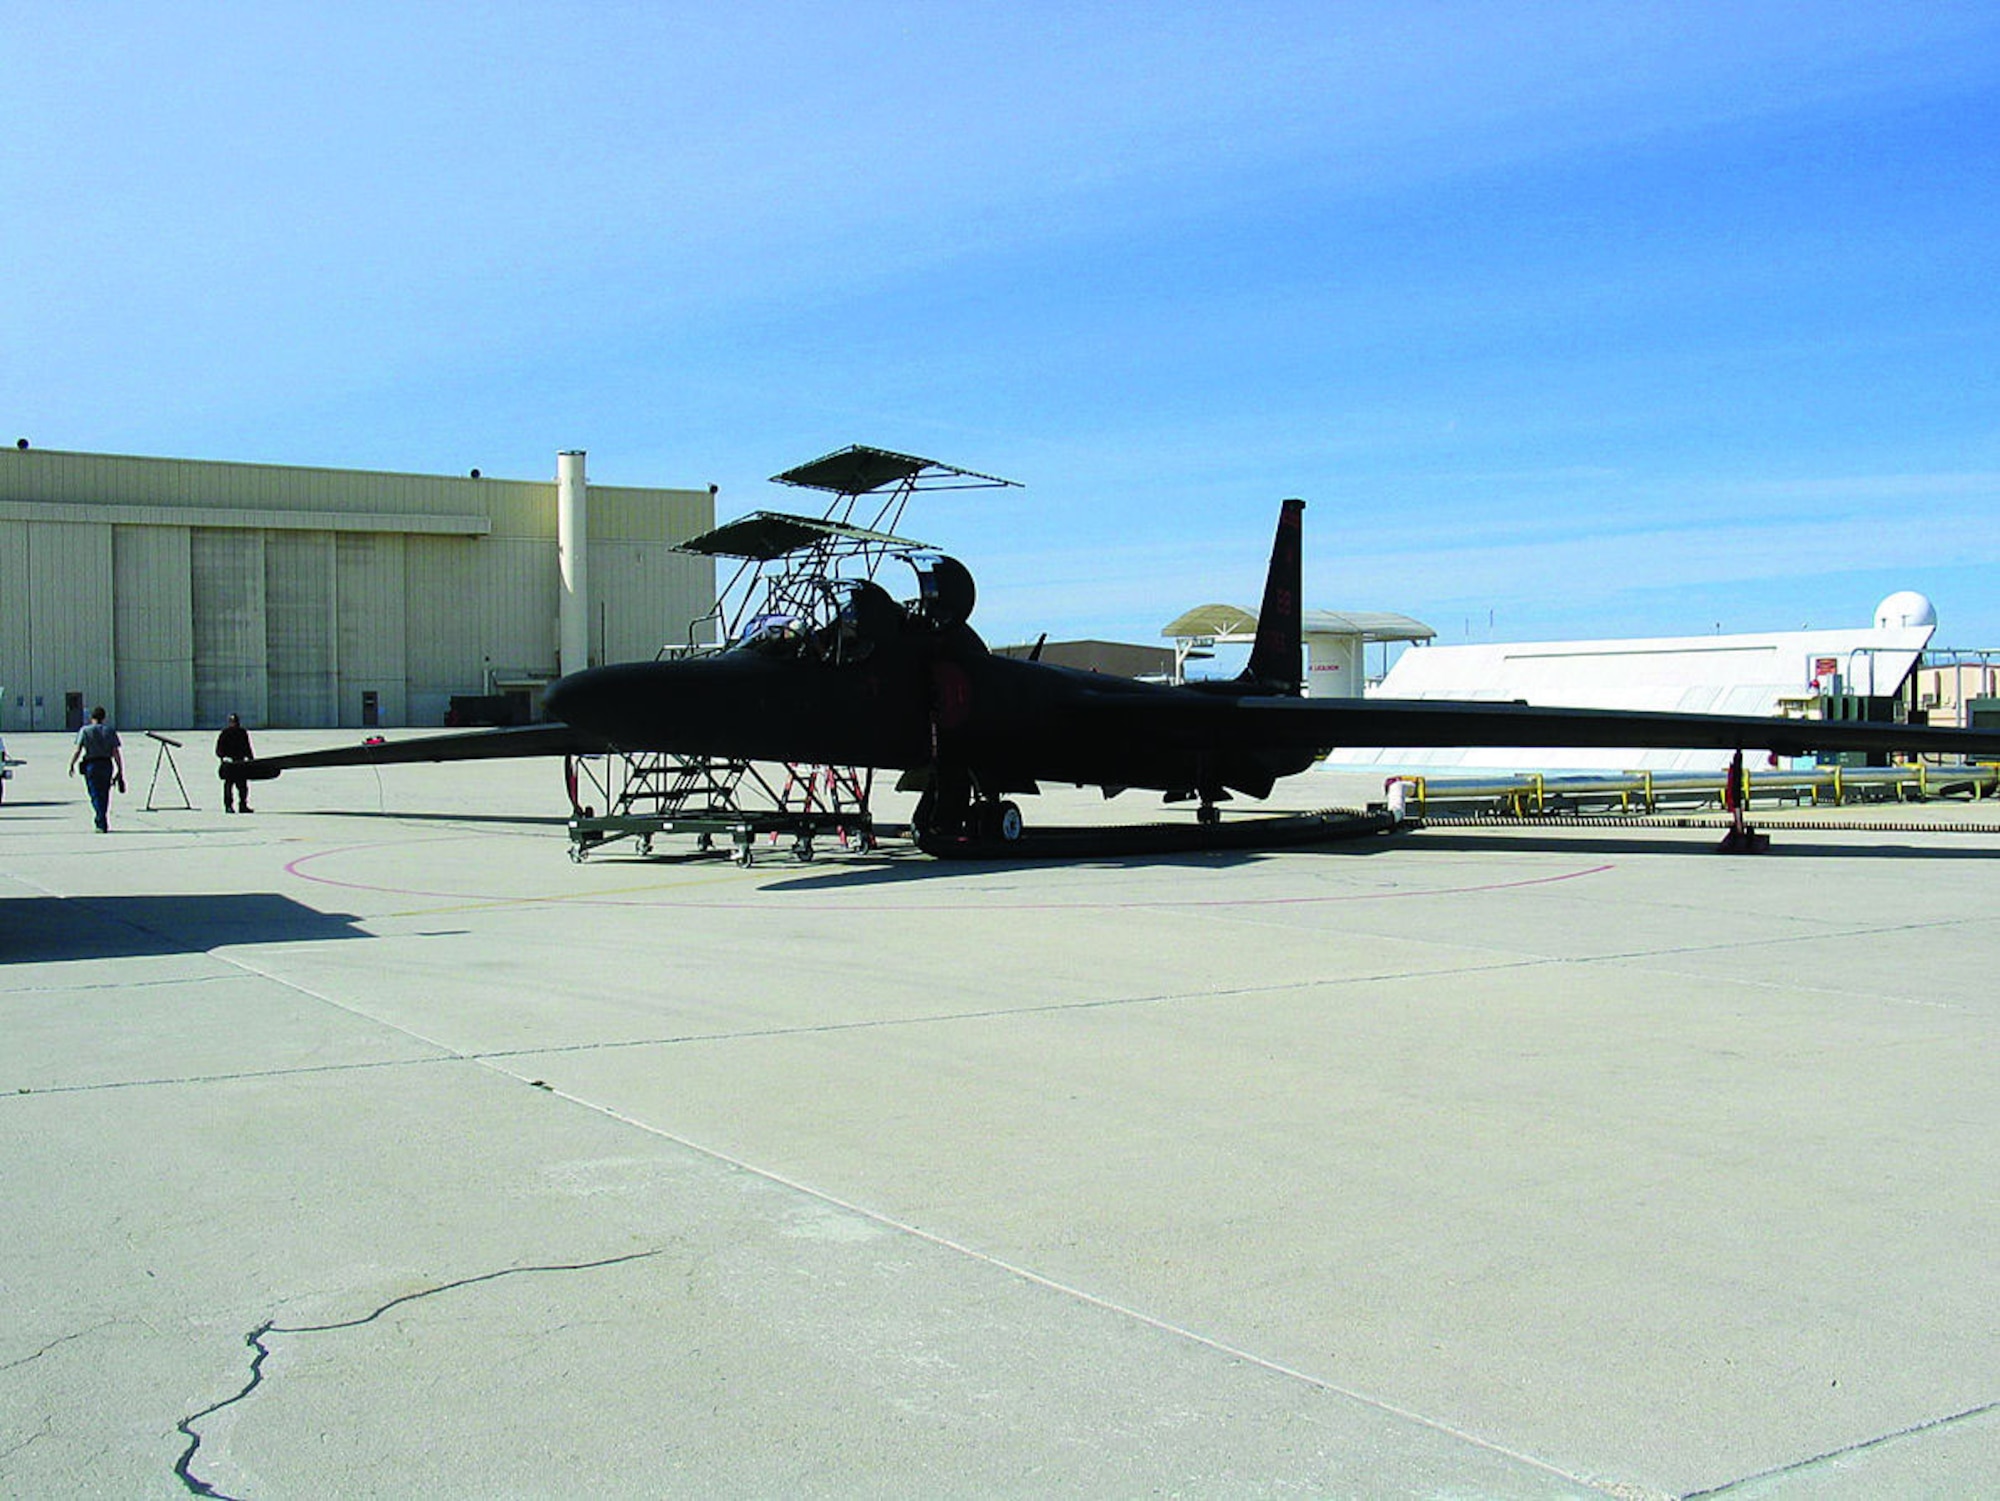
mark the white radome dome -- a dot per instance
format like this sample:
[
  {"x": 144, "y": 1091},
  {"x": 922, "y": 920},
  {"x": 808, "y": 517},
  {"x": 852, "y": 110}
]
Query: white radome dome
[{"x": 1905, "y": 607}]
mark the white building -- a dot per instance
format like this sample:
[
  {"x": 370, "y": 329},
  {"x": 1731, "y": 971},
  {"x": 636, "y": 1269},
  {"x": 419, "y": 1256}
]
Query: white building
[{"x": 1774, "y": 673}]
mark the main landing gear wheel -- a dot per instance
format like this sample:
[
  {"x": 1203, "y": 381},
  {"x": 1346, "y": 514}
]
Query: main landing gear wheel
[
  {"x": 1208, "y": 815},
  {"x": 1001, "y": 821}
]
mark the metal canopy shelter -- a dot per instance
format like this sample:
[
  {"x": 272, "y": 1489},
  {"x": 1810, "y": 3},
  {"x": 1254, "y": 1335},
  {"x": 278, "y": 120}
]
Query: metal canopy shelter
[
  {"x": 1230, "y": 624},
  {"x": 860, "y": 470},
  {"x": 1197, "y": 631},
  {"x": 764, "y": 536},
  {"x": 857, "y": 470},
  {"x": 798, "y": 560}
]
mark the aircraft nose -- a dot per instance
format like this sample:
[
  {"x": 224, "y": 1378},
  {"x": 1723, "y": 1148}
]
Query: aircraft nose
[
  {"x": 574, "y": 698},
  {"x": 621, "y": 701},
  {"x": 559, "y": 696}
]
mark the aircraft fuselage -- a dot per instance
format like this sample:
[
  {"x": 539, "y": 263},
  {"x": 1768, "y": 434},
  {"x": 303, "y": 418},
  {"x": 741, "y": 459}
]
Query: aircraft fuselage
[{"x": 919, "y": 702}]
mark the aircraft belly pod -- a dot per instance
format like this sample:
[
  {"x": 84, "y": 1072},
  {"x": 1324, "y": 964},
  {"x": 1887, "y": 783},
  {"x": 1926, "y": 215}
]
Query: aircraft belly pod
[{"x": 912, "y": 688}]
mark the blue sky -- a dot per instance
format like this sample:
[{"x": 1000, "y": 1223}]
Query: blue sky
[{"x": 1567, "y": 320}]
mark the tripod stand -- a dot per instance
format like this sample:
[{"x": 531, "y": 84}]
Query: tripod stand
[{"x": 165, "y": 759}]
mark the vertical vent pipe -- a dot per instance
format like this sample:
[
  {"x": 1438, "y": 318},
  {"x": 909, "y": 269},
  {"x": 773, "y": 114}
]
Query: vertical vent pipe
[{"x": 572, "y": 558}]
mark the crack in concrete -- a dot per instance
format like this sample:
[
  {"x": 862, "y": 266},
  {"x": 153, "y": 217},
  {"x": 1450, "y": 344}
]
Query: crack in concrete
[
  {"x": 56, "y": 1343},
  {"x": 48, "y": 1427},
  {"x": 256, "y": 1340}
]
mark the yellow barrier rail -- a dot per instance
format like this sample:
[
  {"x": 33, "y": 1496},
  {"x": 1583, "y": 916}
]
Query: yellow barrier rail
[{"x": 1535, "y": 793}]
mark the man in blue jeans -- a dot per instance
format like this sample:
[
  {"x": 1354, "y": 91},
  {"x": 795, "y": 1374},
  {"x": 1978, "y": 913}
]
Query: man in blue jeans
[{"x": 103, "y": 763}]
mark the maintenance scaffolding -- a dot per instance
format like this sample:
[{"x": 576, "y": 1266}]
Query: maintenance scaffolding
[{"x": 792, "y": 575}]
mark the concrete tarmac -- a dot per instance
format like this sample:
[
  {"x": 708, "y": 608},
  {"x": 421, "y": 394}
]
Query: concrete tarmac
[{"x": 367, "y": 1146}]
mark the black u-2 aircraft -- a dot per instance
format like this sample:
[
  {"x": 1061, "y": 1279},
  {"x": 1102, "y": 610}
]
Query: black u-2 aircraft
[{"x": 910, "y": 687}]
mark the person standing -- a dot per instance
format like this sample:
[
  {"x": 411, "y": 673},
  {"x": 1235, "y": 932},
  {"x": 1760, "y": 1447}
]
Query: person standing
[
  {"x": 97, "y": 750},
  {"x": 232, "y": 749}
]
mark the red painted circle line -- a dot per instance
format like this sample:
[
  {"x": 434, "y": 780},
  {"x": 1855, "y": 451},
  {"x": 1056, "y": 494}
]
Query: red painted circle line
[{"x": 778, "y": 902}]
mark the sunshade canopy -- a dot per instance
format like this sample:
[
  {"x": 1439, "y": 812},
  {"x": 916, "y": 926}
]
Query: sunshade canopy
[{"x": 764, "y": 535}]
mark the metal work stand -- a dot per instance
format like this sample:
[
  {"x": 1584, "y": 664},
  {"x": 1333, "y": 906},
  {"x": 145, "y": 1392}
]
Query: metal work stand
[{"x": 646, "y": 796}]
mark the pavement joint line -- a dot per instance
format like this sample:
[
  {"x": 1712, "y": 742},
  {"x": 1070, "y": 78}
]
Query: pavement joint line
[
  {"x": 447, "y": 1054},
  {"x": 1778, "y": 940},
  {"x": 1796, "y": 1467},
  {"x": 1791, "y": 987},
  {"x": 236, "y": 1077},
  {"x": 89, "y": 985},
  {"x": 1003, "y": 1013},
  {"x": 1089, "y": 1299},
  {"x": 352, "y": 1010}
]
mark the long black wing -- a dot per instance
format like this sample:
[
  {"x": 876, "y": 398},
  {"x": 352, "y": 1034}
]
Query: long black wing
[
  {"x": 468, "y": 745},
  {"x": 1328, "y": 724}
]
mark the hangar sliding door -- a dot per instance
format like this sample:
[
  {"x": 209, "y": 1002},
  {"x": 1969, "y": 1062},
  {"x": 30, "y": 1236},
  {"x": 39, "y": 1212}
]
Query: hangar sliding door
[
  {"x": 69, "y": 595},
  {"x": 154, "y": 626},
  {"x": 445, "y": 600},
  {"x": 17, "y": 712},
  {"x": 369, "y": 582},
  {"x": 299, "y": 631},
  {"x": 227, "y": 571}
]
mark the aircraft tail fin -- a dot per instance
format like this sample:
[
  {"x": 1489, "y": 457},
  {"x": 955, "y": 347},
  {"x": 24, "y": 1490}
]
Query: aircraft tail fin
[{"x": 1275, "y": 656}]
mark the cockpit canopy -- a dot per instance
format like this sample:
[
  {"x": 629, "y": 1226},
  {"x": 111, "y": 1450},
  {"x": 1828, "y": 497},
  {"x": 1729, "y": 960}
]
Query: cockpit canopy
[
  {"x": 833, "y": 620},
  {"x": 840, "y": 620}
]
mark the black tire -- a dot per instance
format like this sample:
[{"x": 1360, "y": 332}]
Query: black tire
[{"x": 1007, "y": 822}]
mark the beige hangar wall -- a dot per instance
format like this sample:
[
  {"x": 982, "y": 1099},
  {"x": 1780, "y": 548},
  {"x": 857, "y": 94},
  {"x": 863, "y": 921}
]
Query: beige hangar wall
[{"x": 179, "y": 591}]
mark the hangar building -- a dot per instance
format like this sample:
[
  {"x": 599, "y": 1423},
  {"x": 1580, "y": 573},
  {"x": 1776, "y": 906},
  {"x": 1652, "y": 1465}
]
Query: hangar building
[{"x": 176, "y": 592}]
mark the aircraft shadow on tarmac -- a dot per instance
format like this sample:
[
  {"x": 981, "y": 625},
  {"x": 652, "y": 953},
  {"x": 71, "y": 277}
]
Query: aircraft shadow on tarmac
[
  {"x": 855, "y": 872},
  {"x": 904, "y": 865},
  {"x": 45, "y": 929},
  {"x": 901, "y": 865}
]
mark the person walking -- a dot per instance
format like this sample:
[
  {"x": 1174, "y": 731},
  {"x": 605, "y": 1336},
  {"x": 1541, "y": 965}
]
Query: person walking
[
  {"x": 97, "y": 751},
  {"x": 232, "y": 749}
]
